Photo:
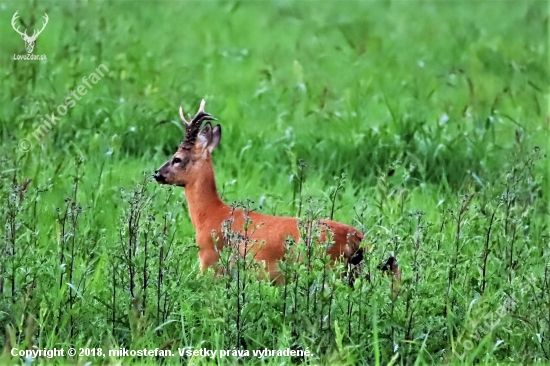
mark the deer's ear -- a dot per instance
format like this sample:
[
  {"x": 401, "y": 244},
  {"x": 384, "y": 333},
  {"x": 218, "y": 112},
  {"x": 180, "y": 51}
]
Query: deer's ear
[
  {"x": 209, "y": 137},
  {"x": 205, "y": 136},
  {"x": 216, "y": 137}
]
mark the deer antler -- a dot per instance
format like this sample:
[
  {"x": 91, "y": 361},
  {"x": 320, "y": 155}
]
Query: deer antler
[
  {"x": 37, "y": 33},
  {"x": 193, "y": 127},
  {"x": 13, "y": 19}
]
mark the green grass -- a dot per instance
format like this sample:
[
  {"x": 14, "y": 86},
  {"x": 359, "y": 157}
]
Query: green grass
[{"x": 430, "y": 117}]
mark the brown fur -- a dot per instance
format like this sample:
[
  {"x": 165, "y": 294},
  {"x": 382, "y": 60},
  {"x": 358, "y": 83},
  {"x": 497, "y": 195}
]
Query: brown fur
[{"x": 191, "y": 167}]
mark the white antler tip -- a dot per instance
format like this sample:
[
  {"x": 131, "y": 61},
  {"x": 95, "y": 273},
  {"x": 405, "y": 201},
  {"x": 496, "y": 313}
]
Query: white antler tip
[
  {"x": 182, "y": 116},
  {"x": 201, "y": 108}
]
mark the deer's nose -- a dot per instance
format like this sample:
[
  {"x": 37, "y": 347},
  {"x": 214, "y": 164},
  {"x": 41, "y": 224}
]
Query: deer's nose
[{"x": 159, "y": 178}]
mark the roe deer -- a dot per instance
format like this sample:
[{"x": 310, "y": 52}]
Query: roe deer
[{"x": 191, "y": 168}]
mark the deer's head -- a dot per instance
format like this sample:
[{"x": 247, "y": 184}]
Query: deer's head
[
  {"x": 189, "y": 160},
  {"x": 29, "y": 41}
]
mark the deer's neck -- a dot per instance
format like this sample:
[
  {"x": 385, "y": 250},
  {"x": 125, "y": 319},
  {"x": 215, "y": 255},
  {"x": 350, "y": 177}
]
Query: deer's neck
[{"x": 205, "y": 204}]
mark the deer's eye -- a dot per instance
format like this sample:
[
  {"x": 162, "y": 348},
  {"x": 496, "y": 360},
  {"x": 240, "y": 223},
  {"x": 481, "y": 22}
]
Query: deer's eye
[{"x": 176, "y": 160}]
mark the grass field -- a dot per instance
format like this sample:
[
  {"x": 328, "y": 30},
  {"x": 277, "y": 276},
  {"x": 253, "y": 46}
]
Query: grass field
[{"x": 422, "y": 123}]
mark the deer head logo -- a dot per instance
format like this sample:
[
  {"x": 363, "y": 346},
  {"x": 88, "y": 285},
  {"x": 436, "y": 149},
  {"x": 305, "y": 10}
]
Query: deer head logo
[{"x": 29, "y": 41}]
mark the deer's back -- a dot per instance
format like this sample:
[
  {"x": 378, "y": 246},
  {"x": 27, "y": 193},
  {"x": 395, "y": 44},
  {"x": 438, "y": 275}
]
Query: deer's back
[{"x": 268, "y": 235}]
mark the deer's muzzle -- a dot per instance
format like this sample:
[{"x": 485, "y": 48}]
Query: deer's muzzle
[{"x": 159, "y": 177}]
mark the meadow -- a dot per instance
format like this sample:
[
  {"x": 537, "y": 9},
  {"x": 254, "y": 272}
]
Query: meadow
[{"x": 423, "y": 123}]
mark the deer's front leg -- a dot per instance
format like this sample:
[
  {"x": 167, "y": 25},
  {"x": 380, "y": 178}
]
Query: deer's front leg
[{"x": 207, "y": 258}]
